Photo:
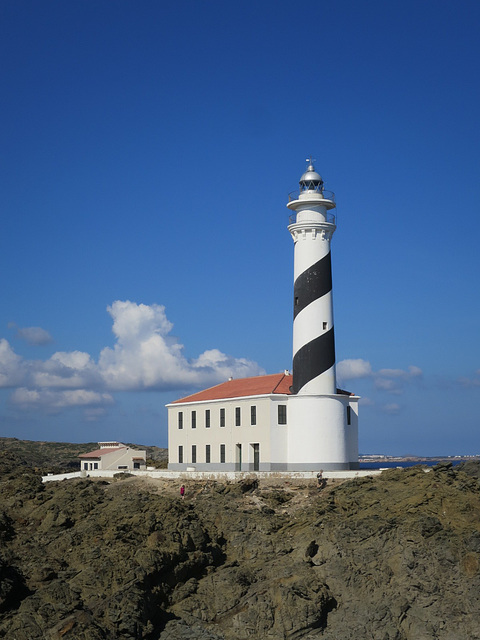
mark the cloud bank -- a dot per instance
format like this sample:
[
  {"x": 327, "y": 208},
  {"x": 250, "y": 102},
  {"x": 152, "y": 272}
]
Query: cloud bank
[
  {"x": 386, "y": 379},
  {"x": 391, "y": 381},
  {"x": 144, "y": 357}
]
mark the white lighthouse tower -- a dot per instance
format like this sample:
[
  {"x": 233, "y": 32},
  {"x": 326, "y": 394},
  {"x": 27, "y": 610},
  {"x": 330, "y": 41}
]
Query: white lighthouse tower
[{"x": 323, "y": 421}]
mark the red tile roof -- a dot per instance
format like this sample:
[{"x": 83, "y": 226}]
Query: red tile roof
[
  {"x": 243, "y": 387},
  {"x": 100, "y": 452},
  {"x": 259, "y": 385}
]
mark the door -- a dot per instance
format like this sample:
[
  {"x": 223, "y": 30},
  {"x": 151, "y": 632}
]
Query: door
[
  {"x": 256, "y": 456},
  {"x": 238, "y": 457}
]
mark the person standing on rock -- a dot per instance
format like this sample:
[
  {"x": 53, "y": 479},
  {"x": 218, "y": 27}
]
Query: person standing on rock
[
  {"x": 182, "y": 491},
  {"x": 320, "y": 479}
]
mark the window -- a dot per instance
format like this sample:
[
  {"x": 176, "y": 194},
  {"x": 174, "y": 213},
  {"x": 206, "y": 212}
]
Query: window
[
  {"x": 325, "y": 326},
  {"x": 238, "y": 415},
  {"x": 180, "y": 419},
  {"x": 282, "y": 414},
  {"x": 222, "y": 453},
  {"x": 207, "y": 453},
  {"x": 136, "y": 465},
  {"x": 207, "y": 418},
  {"x": 349, "y": 415},
  {"x": 194, "y": 453},
  {"x": 122, "y": 466},
  {"x": 180, "y": 454},
  {"x": 95, "y": 465},
  {"x": 194, "y": 419},
  {"x": 222, "y": 417},
  {"x": 253, "y": 415},
  {"x": 85, "y": 466}
]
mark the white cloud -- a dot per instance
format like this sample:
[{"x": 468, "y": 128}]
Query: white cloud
[
  {"x": 389, "y": 380},
  {"x": 134, "y": 322},
  {"x": 394, "y": 380},
  {"x": 72, "y": 370},
  {"x": 411, "y": 372},
  {"x": 470, "y": 382},
  {"x": 39, "y": 398},
  {"x": 146, "y": 357},
  {"x": 387, "y": 384},
  {"x": 355, "y": 368},
  {"x": 415, "y": 372},
  {"x": 214, "y": 362},
  {"x": 12, "y": 366},
  {"x": 143, "y": 357}
]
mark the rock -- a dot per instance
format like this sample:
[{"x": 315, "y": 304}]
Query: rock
[{"x": 395, "y": 557}]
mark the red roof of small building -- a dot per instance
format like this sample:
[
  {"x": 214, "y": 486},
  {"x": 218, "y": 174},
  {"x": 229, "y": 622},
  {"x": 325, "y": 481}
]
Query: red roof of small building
[
  {"x": 259, "y": 385},
  {"x": 100, "y": 452}
]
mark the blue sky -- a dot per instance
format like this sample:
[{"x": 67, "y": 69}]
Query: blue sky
[{"x": 147, "y": 150}]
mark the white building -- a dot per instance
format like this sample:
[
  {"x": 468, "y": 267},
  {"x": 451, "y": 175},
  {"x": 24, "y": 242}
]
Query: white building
[
  {"x": 295, "y": 422},
  {"x": 113, "y": 455}
]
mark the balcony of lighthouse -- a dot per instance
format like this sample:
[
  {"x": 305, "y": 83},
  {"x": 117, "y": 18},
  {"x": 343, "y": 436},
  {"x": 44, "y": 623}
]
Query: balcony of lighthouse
[
  {"x": 322, "y": 194},
  {"x": 329, "y": 217}
]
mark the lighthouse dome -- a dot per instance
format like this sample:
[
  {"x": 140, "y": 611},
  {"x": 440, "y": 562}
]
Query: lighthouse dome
[{"x": 311, "y": 180}]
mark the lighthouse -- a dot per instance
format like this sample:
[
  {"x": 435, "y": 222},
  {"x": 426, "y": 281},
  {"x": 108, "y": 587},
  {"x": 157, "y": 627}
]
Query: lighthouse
[
  {"x": 323, "y": 421},
  {"x": 280, "y": 421}
]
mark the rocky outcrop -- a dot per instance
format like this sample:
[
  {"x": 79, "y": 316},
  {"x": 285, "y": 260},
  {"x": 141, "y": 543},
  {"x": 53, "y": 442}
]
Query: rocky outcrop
[{"x": 395, "y": 557}]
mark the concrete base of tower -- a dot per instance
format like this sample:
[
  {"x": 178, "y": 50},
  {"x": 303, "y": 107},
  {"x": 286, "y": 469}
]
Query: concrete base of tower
[
  {"x": 322, "y": 432},
  {"x": 324, "y": 466}
]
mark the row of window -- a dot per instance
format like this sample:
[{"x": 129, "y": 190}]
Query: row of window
[
  {"x": 208, "y": 456},
  {"x": 94, "y": 465},
  {"x": 207, "y": 453},
  {"x": 282, "y": 417}
]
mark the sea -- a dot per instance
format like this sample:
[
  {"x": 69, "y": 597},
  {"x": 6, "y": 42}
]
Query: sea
[{"x": 407, "y": 463}]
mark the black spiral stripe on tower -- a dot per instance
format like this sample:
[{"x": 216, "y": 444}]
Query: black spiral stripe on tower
[
  {"x": 317, "y": 356},
  {"x": 314, "y": 358},
  {"x": 312, "y": 284}
]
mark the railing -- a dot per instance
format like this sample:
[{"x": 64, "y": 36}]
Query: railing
[
  {"x": 328, "y": 195},
  {"x": 329, "y": 217}
]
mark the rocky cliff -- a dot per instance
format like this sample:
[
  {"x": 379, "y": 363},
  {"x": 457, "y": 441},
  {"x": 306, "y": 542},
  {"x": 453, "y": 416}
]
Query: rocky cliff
[{"x": 395, "y": 557}]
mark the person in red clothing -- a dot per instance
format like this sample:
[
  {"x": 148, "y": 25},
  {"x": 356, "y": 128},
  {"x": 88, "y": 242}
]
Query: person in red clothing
[{"x": 182, "y": 491}]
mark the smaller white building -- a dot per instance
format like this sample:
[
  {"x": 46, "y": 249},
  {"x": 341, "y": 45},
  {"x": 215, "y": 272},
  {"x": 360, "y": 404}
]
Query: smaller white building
[
  {"x": 113, "y": 456},
  {"x": 243, "y": 425}
]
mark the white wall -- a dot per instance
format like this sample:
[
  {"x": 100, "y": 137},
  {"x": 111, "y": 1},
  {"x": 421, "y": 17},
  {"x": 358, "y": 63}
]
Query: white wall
[
  {"x": 112, "y": 460},
  {"x": 184, "y": 476},
  {"x": 318, "y": 434},
  {"x": 230, "y": 435}
]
